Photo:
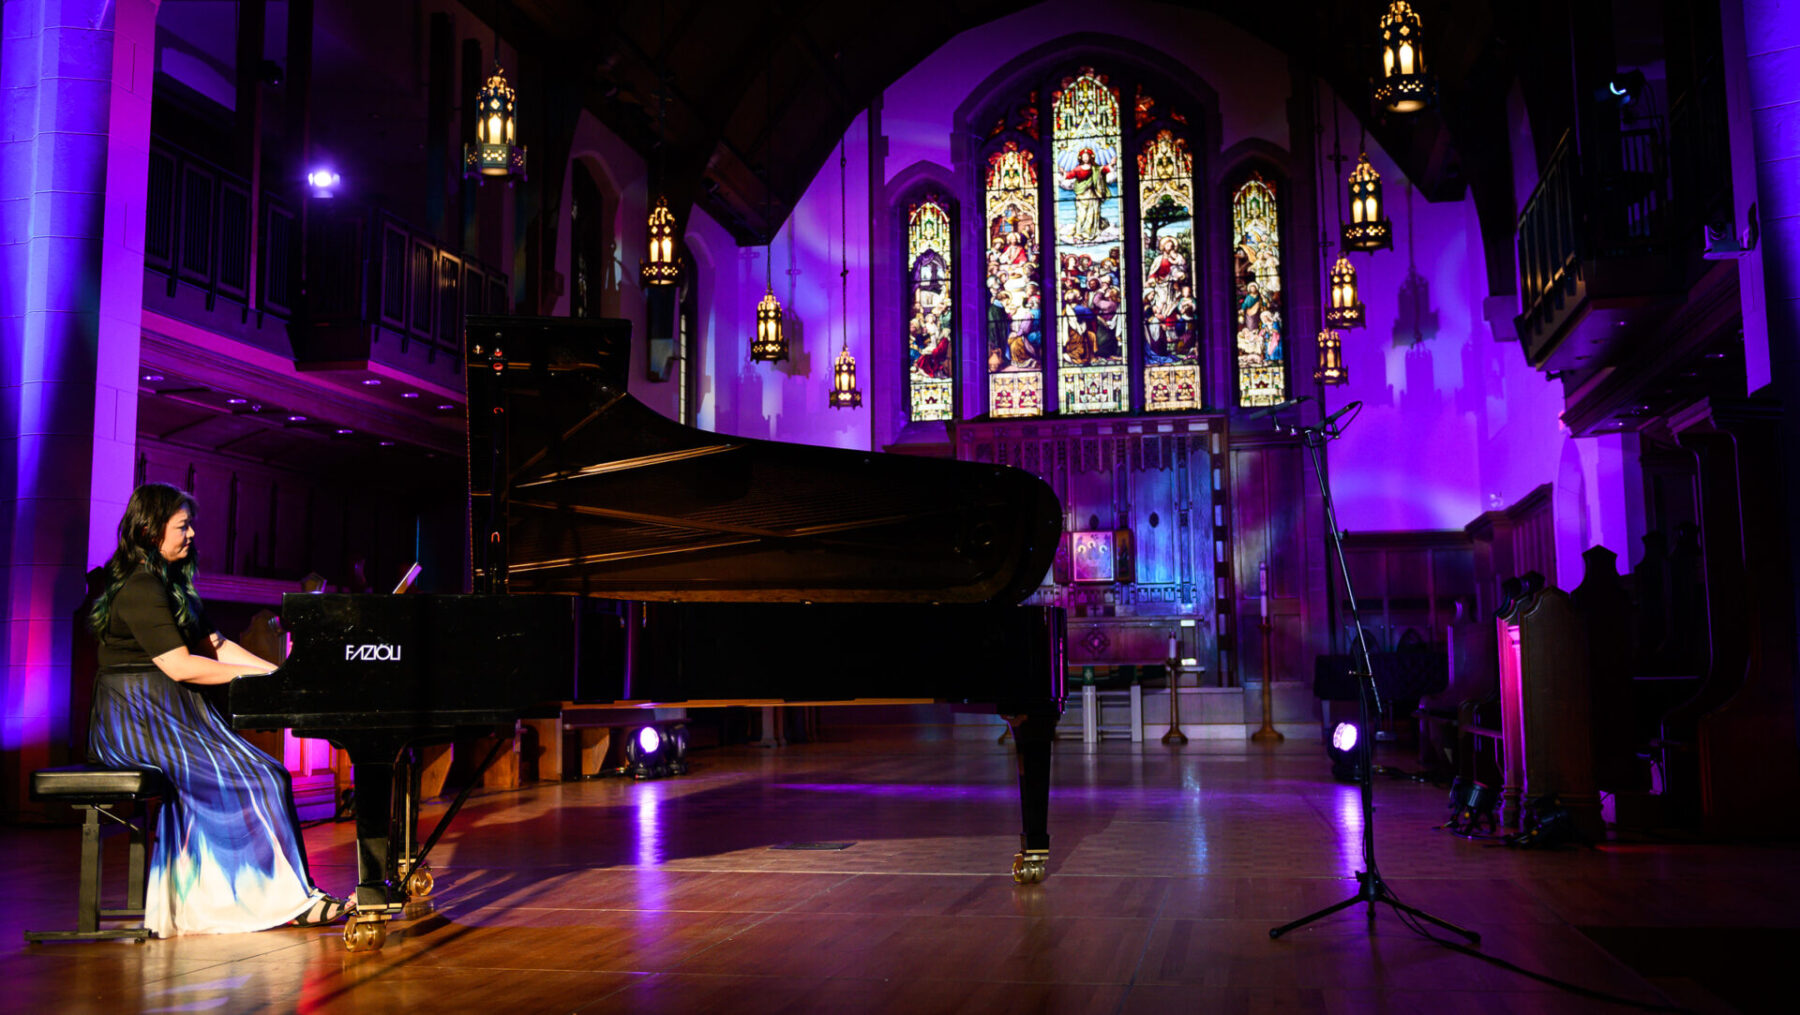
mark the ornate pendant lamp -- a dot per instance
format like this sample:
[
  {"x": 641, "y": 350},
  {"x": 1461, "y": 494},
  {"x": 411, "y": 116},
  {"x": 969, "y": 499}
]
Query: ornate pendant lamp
[
  {"x": 844, "y": 392},
  {"x": 770, "y": 345},
  {"x": 661, "y": 266},
  {"x": 1404, "y": 87},
  {"x": 1346, "y": 309},
  {"x": 1368, "y": 228},
  {"x": 1331, "y": 368},
  {"x": 496, "y": 153}
]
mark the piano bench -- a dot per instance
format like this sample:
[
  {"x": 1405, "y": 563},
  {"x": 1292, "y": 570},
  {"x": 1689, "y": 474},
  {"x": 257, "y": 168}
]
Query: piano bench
[{"x": 98, "y": 789}]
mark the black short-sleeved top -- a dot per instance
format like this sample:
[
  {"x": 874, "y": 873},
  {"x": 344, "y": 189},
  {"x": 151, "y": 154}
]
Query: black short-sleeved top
[{"x": 142, "y": 625}]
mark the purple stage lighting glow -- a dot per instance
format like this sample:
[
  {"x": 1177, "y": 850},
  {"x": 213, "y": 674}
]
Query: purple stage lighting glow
[
  {"x": 648, "y": 739},
  {"x": 1344, "y": 737}
]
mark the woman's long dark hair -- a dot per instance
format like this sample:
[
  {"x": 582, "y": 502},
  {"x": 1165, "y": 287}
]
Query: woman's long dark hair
[{"x": 147, "y": 514}]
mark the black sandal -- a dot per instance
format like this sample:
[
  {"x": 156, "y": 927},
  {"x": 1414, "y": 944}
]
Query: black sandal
[{"x": 326, "y": 910}]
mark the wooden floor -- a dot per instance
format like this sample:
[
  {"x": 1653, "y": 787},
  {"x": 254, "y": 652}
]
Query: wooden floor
[{"x": 1169, "y": 867}]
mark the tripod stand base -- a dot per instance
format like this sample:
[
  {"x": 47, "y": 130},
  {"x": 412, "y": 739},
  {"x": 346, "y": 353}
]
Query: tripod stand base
[{"x": 1372, "y": 890}]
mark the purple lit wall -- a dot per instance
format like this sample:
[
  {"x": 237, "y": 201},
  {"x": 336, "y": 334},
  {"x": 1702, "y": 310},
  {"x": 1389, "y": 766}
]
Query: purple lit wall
[
  {"x": 782, "y": 401},
  {"x": 74, "y": 133},
  {"x": 1454, "y": 422},
  {"x": 788, "y": 401}
]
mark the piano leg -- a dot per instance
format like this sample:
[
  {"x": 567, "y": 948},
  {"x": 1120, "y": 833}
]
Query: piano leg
[
  {"x": 373, "y": 773},
  {"x": 1033, "y": 733}
]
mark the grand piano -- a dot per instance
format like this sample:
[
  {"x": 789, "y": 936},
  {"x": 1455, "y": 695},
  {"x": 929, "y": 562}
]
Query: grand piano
[{"x": 626, "y": 561}]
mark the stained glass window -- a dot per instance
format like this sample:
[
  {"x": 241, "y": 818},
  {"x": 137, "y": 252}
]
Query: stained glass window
[
  {"x": 1092, "y": 353},
  {"x": 1015, "y": 333},
  {"x": 1256, "y": 294},
  {"x": 1091, "y": 197},
  {"x": 1171, "y": 316},
  {"x": 930, "y": 329}
]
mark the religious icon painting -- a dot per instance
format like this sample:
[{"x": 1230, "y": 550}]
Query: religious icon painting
[{"x": 1093, "y": 556}]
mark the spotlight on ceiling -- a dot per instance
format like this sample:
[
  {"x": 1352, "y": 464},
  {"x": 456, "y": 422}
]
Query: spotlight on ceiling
[
  {"x": 323, "y": 181},
  {"x": 656, "y": 751},
  {"x": 1346, "y": 758}
]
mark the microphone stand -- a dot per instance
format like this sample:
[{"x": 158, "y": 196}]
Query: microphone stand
[{"x": 1370, "y": 886}]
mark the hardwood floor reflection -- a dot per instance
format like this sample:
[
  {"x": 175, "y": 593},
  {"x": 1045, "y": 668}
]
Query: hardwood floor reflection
[{"x": 1169, "y": 866}]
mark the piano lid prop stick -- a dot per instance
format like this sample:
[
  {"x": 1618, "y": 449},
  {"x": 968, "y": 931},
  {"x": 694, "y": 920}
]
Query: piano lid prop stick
[{"x": 406, "y": 580}]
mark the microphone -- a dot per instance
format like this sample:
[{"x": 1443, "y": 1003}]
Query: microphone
[
  {"x": 1270, "y": 410},
  {"x": 1334, "y": 417}
]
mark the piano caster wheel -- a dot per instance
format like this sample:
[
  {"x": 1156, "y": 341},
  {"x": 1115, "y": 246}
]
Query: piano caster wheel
[
  {"x": 419, "y": 884},
  {"x": 365, "y": 935},
  {"x": 1031, "y": 866}
]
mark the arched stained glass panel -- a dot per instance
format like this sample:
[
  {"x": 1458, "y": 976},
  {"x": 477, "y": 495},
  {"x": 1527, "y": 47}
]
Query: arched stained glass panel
[
  {"x": 930, "y": 330},
  {"x": 1171, "y": 317},
  {"x": 1256, "y": 291},
  {"x": 1085, "y": 145},
  {"x": 1015, "y": 333}
]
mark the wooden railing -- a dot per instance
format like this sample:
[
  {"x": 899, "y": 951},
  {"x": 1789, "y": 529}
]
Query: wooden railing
[
  {"x": 365, "y": 267},
  {"x": 1613, "y": 205},
  {"x": 368, "y": 268},
  {"x": 197, "y": 222}
]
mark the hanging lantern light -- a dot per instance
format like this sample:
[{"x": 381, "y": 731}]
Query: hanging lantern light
[
  {"x": 1346, "y": 309},
  {"x": 1405, "y": 87},
  {"x": 1368, "y": 228},
  {"x": 844, "y": 393},
  {"x": 661, "y": 266},
  {"x": 770, "y": 345},
  {"x": 496, "y": 153},
  {"x": 1331, "y": 359}
]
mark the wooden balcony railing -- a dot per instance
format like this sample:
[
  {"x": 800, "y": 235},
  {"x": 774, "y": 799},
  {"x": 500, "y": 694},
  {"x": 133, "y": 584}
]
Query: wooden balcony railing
[
  {"x": 1601, "y": 221},
  {"x": 375, "y": 287},
  {"x": 197, "y": 231},
  {"x": 375, "y": 282}
]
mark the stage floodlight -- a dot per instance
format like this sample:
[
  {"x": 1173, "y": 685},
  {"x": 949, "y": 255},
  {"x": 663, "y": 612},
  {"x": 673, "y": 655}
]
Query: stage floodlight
[
  {"x": 1346, "y": 757},
  {"x": 652, "y": 752}
]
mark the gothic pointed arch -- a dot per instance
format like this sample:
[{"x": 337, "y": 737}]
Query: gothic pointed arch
[{"x": 1084, "y": 265}]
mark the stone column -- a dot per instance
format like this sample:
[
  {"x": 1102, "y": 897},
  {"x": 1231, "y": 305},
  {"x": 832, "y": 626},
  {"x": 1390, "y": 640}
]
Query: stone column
[
  {"x": 74, "y": 143},
  {"x": 1769, "y": 91}
]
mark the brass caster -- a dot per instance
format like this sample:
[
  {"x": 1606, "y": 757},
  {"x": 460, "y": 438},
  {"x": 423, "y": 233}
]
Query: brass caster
[
  {"x": 419, "y": 883},
  {"x": 1031, "y": 866},
  {"x": 365, "y": 934}
]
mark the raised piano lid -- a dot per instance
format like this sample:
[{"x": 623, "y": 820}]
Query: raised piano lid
[{"x": 576, "y": 487}]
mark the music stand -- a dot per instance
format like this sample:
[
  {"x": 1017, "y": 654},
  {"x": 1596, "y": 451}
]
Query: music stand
[{"x": 1370, "y": 886}]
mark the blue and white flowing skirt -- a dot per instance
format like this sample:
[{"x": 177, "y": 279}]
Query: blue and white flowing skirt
[{"x": 228, "y": 855}]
